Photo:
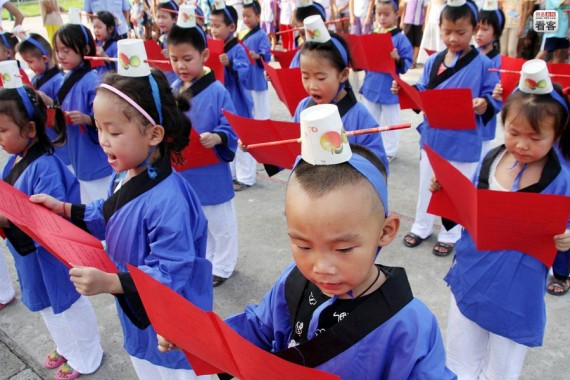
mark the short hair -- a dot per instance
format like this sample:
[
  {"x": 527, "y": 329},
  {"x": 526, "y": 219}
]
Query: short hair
[
  {"x": 302, "y": 13},
  {"x": 329, "y": 51},
  {"x": 255, "y": 6},
  {"x": 455, "y": 13},
  {"x": 227, "y": 20},
  {"x": 191, "y": 36},
  {"x": 28, "y": 47},
  {"x": 491, "y": 18}
]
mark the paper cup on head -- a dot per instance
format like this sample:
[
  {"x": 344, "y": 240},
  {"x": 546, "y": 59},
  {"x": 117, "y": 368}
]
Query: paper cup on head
[
  {"x": 247, "y": 2},
  {"x": 490, "y": 5},
  {"x": 305, "y": 3},
  {"x": 132, "y": 58},
  {"x": 10, "y": 74},
  {"x": 323, "y": 141},
  {"x": 219, "y": 4},
  {"x": 74, "y": 16},
  {"x": 186, "y": 16},
  {"x": 535, "y": 78},
  {"x": 456, "y": 3},
  {"x": 315, "y": 29}
]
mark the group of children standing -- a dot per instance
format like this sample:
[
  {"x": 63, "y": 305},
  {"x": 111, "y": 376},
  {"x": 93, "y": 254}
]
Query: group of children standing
[{"x": 113, "y": 177}]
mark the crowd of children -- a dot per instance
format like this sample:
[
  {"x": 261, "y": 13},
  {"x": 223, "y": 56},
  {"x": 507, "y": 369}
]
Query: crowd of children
[{"x": 97, "y": 146}]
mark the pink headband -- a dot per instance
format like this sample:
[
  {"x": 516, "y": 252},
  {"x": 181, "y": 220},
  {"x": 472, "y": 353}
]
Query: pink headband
[{"x": 129, "y": 100}]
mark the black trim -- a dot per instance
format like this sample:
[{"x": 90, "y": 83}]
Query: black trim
[
  {"x": 344, "y": 105},
  {"x": 201, "y": 84},
  {"x": 40, "y": 80},
  {"x": 489, "y": 113},
  {"x": 395, "y": 31},
  {"x": 493, "y": 53},
  {"x": 230, "y": 44},
  {"x": 272, "y": 169},
  {"x": 131, "y": 302},
  {"x": 251, "y": 32},
  {"x": 435, "y": 80},
  {"x": 224, "y": 138},
  {"x": 34, "y": 152},
  {"x": 135, "y": 187},
  {"x": 109, "y": 43},
  {"x": 78, "y": 216},
  {"x": 69, "y": 82}
]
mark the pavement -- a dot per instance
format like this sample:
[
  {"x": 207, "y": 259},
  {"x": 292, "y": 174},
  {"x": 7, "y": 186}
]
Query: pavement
[{"x": 263, "y": 253}]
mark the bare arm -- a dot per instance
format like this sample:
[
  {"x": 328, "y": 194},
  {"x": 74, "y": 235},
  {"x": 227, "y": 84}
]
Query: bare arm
[{"x": 18, "y": 16}]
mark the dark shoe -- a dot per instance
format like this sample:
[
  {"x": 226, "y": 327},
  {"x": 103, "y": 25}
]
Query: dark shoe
[
  {"x": 417, "y": 240},
  {"x": 218, "y": 281},
  {"x": 238, "y": 186},
  {"x": 443, "y": 249},
  {"x": 557, "y": 287}
]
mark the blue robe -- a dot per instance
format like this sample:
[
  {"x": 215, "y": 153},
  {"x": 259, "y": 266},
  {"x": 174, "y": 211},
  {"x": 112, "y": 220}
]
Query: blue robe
[
  {"x": 354, "y": 116},
  {"x": 158, "y": 226},
  {"x": 256, "y": 40},
  {"x": 212, "y": 183},
  {"x": 170, "y": 75},
  {"x": 50, "y": 82},
  {"x": 44, "y": 280},
  {"x": 488, "y": 132},
  {"x": 407, "y": 346},
  {"x": 376, "y": 86},
  {"x": 296, "y": 61},
  {"x": 235, "y": 77},
  {"x": 471, "y": 71},
  {"x": 503, "y": 291},
  {"x": 88, "y": 159},
  {"x": 110, "y": 48}
]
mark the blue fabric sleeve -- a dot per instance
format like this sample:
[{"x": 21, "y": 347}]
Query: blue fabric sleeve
[{"x": 226, "y": 150}]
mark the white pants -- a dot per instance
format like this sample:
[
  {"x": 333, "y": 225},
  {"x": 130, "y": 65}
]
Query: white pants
[
  {"x": 260, "y": 104},
  {"x": 76, "y": 336},
  {"x": 474, "y": 353},
  {"x": 7, "y": 291},
  {"x": 222, "y": 246},
  {"x": 423, "y": 224},
  {"x": 94, "y": 190},
  {"x": 147, "y": 371},
  {"x": 386, "y": 114}
]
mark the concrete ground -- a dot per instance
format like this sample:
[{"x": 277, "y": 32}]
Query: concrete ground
[{"x": 264, "y": 253}]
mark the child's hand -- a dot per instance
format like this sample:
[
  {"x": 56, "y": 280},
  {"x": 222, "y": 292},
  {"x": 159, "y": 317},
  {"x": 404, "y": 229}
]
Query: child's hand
[
  {"x": 394, "y": 54},
  {"x": 77, "y": 117},
  {"x": 47, "y": 100},
  {"x": 49, "y": 202},
  {"x": 165, "y": 53},
  {"x": 479, "y": 106},
  {"x": 164, "y": 345},
  {"x": 209, "y": 140},
  {"x": 224, "y": 60},
  {"x": 498, "y": 92},
  {"x": 101, "y": 52},
  {"x": 4, "y": 222},
  {"x": 434, "y": 185},
  {"x": 253, "y": 55},
  {"x": 241, "y": 146},
  {"x": 92, "y": 281},
  {"x": 395, "y": 87},
  {"x": 562, "y": 241}
]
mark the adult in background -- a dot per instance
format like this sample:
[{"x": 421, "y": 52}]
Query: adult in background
[
  {"x": 51, "y": 16},
  {"x": 119, "y": 8},
  {"x": 15, "y": 12}
]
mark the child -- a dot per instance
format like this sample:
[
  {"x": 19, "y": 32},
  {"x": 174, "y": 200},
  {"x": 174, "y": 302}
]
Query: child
[
  {"x": 557, "y": 42},
  {"x": 368, "y": 323},
  {"x": 8, "y": 42},
  {"x": 152, "y": 218},
  {"x": 256, "y": 41},
  {"x": 489, "y": 29},
  {"x": 106, "y": 36},
  {"x": 305, "y": 9},
  {"x": 268, "y": 20},
  {"x": 33, "y": 168},
  {"x": 412, "y": 22},
  {"x": 324, "y": 68},
  {"x": 375, "y": 90},
  {"x": 497, "y": 307},
  {"x": 458, "y": 66},
  {"x": 71, "y": 43},
  {"x": 165, "y": 21},
  {"x": 213, "y": 183},
  {"x": 37, "y": 53},
  {"x": 360, "y": 13},
  {"x": 137, "y": 18},
  {"x": 431, "y": 38}
]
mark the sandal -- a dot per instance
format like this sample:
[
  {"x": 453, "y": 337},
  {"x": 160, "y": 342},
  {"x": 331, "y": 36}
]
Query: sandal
[
  {"x": 218, "y": 280},
  {"x": 557, "y": 287},
  {"x": 443, "y": 250},
  {"x": 238, "y": 186},
  {"x": 54, "y": 360},
  {"x": 417, "y": 240},
  {"x": 65, "y": 372}
]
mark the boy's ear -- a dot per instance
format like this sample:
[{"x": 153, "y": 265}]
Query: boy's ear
[
  {"x": 45, "y": 59},
  {"x": 206, "y": 54},
  {"x": 344, "y": 74},
  {"x": 390, "y": 230},
  {"x": 156, "y": 135},
  {"x": 233, "y": 27}
]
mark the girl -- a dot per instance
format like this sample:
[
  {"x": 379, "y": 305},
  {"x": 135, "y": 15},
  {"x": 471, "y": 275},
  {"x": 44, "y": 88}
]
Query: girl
[
  {"x": 72, "y": 42},
  {"x": 213, "y": 184},
  {"x": 33, "y": 168},
  {"x": 458, "y": 66},
  {"x": 269, "y": 20},
  {"x": 489, "y": 29},
  {"x": 165, "y": 21},
  {"x": 106, "y": 37},
  {"x": 152, "y": 218},
  {"x": 324, "y": 67},
  {"x": 377, "y": 97},
  {"x": 301, "y": 13},
  {"x": 497, "y": 307},
  {"x": 256, "y": 41}
]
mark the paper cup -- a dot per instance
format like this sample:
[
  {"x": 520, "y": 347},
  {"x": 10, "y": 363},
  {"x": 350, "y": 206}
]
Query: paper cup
[
  {"x": 534, "y": 78},
  {"x": 132, "y": 58},
  {"x": 315, "y": 29},
  {"x": 10, "y": 73},
  {"x": 186, "y": 16},
  {"x": 74, "y": 16}
]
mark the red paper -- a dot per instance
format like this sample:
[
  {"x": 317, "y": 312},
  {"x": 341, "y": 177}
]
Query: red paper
[
  {"x": 252, "y": 131},
  {"x": 449, "y": 108},
  {"x": 284, "y": 57},
  {"x": 430, "y": 52},
  {"x": 560, "y": 68},
  {"x": 70, "y": 244},
  {"x": 154, "y": 52},
  {"x": 196, "y": 155},
  {"x": 96, "y": 63},
  {"x": 372, "y": 52},
  {"x": 216, "y": 48},
  {"x": 251, "y": 60},
  {"x": 409, "y": 96},
  {"x": 50, "y": 121},
  {"x": 288, "y": 86},
  {"x": 204, "y": 336},
  {"x": 498, "y": 220},
  {"x": 510, "y": 80}
]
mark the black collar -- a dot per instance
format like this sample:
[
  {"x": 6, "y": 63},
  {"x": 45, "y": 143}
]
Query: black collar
[
  {"x": 230, "y": 44},
  {"x": 251, "y": 32},
  {"x": 344, "y": 105},
  {"x": 33, "y": 153},
  {"x": 435, "y": 79},
  {"x": 42, "y": 79},
  {"x": 135, "y": 187},
  {"x": 395, "y": 31},
  {"x": 201, "y": 84},
  {"x": 549, "y": 173},
  {"x": 493, "y": 53},
  {"x": 109, "y": 42},
  {"x": 70, "y": 81}
]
